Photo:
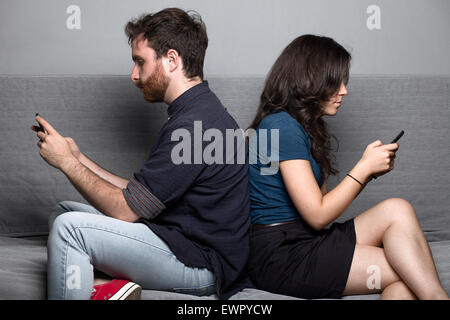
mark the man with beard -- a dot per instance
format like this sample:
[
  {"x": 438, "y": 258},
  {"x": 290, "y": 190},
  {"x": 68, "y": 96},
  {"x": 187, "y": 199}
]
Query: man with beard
[{"x": 173, "y": 227}]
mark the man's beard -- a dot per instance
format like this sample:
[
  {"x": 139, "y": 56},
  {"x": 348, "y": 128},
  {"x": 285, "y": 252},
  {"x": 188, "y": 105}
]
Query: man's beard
[{"x": 154, "y": 88}]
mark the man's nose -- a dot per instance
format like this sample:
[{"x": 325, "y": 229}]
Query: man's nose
[{"x": 134, "y": 74}]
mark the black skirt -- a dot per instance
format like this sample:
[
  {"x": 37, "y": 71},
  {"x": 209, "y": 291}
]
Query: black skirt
[{"x": 296, "y": 260}]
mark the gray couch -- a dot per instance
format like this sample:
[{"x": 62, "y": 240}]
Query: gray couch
[{"x": 113, "y": 125}]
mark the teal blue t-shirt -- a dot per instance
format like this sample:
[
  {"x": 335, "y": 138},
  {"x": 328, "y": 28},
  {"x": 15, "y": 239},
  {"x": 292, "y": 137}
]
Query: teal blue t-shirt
[{"x": 278, "y": 137}]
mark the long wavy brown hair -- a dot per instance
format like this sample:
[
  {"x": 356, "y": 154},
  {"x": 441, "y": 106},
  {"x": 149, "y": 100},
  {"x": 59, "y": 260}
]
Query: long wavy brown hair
[{"x": 309, "y": 71}]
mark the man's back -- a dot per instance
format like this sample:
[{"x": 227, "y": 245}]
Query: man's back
[{"x": 206, "y": 217}]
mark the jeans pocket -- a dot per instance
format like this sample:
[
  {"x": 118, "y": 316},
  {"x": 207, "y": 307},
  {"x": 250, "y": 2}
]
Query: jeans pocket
[{"x": 198, "y": 291}]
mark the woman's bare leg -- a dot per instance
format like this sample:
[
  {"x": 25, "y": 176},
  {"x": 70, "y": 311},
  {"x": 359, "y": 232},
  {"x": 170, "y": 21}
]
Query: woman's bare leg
[
  {"x": 393, "y": 225},
  {"x": 371, "y": 272},
  {"x": 397, "y": 291}
]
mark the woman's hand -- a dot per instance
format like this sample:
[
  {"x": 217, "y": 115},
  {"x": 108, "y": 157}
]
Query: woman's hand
[{"x": 378, "y": 158}]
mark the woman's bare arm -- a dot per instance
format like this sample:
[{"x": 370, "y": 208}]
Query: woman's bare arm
[
  {"x": 319, "y": 209},
  {"x": 323, "y": 188},
  {"x": 316, "y": 208}
]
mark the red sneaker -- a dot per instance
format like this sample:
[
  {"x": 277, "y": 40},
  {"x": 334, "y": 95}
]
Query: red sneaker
[{"x": 117, "y": 290}]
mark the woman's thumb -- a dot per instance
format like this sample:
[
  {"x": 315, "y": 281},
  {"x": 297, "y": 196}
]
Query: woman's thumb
[{"x": 376, "y": 143}]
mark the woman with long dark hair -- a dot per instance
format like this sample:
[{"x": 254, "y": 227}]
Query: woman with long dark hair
[{"x": 293, "y": 252}]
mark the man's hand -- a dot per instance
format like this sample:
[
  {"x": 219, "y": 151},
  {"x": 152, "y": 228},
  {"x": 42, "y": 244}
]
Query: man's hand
[
  {"x": 54, "y": 148},
  {"x": 64, "y": 154},
  {"x": 74, "y": 148}
]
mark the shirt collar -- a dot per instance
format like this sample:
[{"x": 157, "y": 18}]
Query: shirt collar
[{"x": 186, "y": 97}]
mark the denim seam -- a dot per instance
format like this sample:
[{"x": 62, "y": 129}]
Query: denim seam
[
  {"x": 121, "y": 234},
  {"x": 65, "y": 268},
  {"x": 196, "y": 287}
]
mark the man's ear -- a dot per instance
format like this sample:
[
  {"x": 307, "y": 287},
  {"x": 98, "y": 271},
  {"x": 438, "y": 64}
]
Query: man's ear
[{"x": 173, "y": 60}]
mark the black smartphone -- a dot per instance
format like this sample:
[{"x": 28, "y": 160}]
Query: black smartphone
[
  {"x": 40, "y": 126},
  {"x": 398, "y": 136},
  {"x": 394, "y": 141}
]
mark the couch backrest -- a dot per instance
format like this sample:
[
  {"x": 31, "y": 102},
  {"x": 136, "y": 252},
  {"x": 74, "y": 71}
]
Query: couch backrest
[{"x": 109, "y": 119}]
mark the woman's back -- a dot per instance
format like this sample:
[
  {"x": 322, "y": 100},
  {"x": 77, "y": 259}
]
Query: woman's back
[{"x": 279, "y": 137}]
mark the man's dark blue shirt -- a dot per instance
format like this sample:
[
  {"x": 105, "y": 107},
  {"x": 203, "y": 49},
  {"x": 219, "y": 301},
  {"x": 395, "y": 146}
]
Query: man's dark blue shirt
[{"x": 201, "y": 210}]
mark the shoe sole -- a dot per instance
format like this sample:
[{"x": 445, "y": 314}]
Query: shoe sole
[{"x": 130, "y": 291}]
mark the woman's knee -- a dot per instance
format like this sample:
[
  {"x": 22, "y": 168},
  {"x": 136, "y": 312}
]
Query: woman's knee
[
  {"x": 373, "y": 223},
  {"x": 399, "y": 210}
]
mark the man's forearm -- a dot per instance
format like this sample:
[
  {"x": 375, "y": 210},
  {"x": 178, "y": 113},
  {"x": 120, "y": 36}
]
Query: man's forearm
[
  {"x": 103, "y": 195},
  {"x": 102, "y": 173}
]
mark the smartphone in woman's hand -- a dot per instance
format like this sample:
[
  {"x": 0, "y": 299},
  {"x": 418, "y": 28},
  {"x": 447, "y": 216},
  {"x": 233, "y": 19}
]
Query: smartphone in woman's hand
[{"x": 393, "y": 141}]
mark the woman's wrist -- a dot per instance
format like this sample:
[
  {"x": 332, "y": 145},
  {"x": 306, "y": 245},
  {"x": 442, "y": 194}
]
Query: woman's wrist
[{"x": 361, "y": 172}]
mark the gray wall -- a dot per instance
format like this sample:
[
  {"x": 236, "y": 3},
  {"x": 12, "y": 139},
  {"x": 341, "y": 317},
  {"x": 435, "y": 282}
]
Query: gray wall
[{"x": 245, "y": 35}]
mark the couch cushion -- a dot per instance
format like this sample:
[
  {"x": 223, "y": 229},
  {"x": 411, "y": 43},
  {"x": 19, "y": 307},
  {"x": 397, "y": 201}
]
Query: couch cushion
[
  {"x": 23, "y": 274},
  {"x": 115, "y": 126}
]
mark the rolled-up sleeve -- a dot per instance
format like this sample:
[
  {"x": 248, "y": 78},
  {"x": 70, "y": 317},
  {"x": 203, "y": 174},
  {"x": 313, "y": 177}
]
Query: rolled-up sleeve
[{"x": 141, "y": 200}]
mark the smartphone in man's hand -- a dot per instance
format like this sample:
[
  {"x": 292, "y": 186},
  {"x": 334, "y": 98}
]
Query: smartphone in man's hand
[{"x": 40, "y": 128}]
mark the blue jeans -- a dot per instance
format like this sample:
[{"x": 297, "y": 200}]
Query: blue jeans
[{"x": 82, "y": 238}]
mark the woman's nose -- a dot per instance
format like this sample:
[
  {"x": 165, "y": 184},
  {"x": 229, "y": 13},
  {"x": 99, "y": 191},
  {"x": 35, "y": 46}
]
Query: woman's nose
[{"x": 343, "y": 90}]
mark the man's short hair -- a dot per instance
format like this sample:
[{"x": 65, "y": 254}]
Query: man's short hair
[{"x": 173, "y": 28}]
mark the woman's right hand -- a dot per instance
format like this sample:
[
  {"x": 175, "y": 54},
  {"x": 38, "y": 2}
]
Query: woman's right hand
[{"x": 378, "y": 158}]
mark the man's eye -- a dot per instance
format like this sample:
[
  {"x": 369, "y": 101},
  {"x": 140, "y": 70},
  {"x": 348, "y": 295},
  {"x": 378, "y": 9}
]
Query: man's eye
[{"x": 140, "y": 62}]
